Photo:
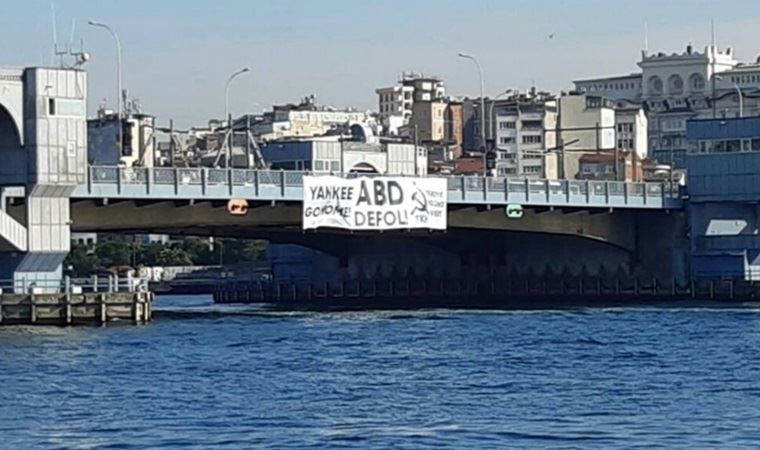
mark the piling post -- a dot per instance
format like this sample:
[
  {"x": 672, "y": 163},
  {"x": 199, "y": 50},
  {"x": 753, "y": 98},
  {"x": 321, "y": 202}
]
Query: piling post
[
  {"x": 67, "y": 299},
  {"x": 103, "y": 307},
  {"x": 136, "y": 304},
  {"x": 32, "y": 308},
  {"x": 654, "y": 286}
]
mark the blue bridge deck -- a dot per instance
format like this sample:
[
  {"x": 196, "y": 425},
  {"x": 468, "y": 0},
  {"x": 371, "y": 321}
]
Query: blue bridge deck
[{"x": 162, "y": 183}]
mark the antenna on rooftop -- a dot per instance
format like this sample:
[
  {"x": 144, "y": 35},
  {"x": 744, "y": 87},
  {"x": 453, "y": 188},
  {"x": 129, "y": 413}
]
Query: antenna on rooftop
[
  {"x": 712, "y": 30},
  {"x": 646, "y": 36},
  {"x": 55, "y": 34}
]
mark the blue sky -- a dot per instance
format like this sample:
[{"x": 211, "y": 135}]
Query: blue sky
[{"x": 178, "y": 54}]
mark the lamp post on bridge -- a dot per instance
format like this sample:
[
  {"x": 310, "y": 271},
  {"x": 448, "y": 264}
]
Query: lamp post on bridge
[
  {"x": 227, "y": 91},
  {"x": 227, "y": 115},
  {"x": 482, "y": 109},
  {"x": 115, "y": 36}
]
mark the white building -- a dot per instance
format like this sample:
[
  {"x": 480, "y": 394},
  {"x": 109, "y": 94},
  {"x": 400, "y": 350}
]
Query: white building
[
  {"x": 625, "y": 87},
  {"x": 522, "y": 140},
  {"x": 306, "y": 120},
  {"x": 396, "y": 103},
  {"x": 138, "y": 133},
  {"x": 677, "y": 87},
  {"x": 632, "y": 129},
  {"x": 343, "y": 157}
]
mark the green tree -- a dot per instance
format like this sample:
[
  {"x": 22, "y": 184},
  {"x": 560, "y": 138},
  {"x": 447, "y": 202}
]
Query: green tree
[
  {"x": 171, "y": 256},
  {"x": 82, "y": 260},
  {"x": 114, "y": 252},
  {"x": 148, "y": 255}
]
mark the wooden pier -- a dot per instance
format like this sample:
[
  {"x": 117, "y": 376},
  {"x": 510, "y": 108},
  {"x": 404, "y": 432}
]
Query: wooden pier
[{"x": 75, "y": 308}]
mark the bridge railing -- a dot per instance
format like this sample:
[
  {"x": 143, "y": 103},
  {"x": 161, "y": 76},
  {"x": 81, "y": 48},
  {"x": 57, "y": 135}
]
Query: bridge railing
[{"x": 278, "y": 184}]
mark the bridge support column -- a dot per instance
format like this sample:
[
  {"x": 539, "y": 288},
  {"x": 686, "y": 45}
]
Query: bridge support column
[{"x": 53, "y": 163}]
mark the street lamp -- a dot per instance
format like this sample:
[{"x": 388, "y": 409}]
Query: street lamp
[
  {"x": 493, "y": 103},
  {"x": 738, "y": 92},
  {"x": 227, "y": 91},
  {"x": 482, "y": 108},
  {"x": 118, "y": 79}
]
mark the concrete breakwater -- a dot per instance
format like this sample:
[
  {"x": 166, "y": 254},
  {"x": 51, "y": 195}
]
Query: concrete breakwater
[
  {"x": 467, "y": 293},
  {"x": 75, "y": 309}
]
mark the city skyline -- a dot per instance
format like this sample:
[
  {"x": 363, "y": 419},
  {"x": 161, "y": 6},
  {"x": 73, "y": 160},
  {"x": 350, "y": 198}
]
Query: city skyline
[{"x": 176, "y": 62}]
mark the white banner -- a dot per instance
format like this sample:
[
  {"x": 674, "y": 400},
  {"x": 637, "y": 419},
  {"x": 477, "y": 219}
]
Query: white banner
[{"x": 378, "y": 203}]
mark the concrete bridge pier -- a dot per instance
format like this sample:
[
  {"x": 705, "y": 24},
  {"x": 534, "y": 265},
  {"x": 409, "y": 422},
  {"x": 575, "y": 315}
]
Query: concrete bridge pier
[{"x": 43, "y": 140}]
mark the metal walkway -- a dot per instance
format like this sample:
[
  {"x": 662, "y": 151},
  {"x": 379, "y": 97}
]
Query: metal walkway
[{"x": 167, "y": 183}]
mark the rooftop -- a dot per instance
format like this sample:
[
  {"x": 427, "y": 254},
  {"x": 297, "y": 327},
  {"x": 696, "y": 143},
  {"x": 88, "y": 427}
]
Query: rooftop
[{"x": 630, "y": 76}]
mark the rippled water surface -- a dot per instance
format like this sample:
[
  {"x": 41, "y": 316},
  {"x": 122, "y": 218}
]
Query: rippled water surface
[{"x": 211, "y": 377}]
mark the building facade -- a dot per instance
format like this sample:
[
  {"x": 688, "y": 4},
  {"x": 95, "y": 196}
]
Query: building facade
[
  {"x": 343, "y": 157},
  {"x": 521, "y": 139},
  {"x": 396, "y": 103},
  {"x": 677, "y": 87},
  {"x": 306, "y": 119},
  {"x": 586, "y": 124},
  {"x": 723, "y": 170}
]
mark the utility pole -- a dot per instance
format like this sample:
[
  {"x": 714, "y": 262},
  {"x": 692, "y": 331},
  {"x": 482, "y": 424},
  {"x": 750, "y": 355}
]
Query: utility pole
[
  {"x": 560, "y": 141},
  {"x": 713, "y": 56},
  {"x": 416, "y": 148},
  {"x": 171, "y": 142},
  {"x": 247, "y": 141},
  {"x": 228, "y": 163}
]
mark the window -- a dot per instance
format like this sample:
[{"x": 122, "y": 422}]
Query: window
[
  {"x": 655, "y": 85},
  {"x": 51, "y": 107},
  {"x": 734, "y": 146},
  {"x": 675, "y": 84},
  {"x": 334, "y": 166},
  {"x": 505, "y": 140},
  {"x": 319, "y": 165},
  {"x": 697, "y": 83},
  {"x": 507, "y": 125},
  {"x": 532, "y": 139}
]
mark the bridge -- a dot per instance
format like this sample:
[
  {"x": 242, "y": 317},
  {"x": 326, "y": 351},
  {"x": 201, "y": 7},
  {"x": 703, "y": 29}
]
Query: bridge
[
  {"x": 49, "y": 189},
  {"x": 613, "y": 224}
]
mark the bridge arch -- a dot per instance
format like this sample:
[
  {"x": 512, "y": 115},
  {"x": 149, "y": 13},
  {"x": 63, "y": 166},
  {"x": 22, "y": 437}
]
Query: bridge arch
[
  {"x": 10, "y": 133},
  {"x": 11, "y": 104}
]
